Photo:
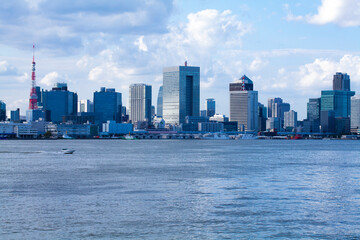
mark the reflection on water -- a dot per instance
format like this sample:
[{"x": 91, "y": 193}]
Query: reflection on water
[{"x": 173, "y": 189}]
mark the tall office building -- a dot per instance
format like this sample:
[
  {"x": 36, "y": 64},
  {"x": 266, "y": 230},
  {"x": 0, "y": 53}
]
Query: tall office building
[
  {"x": 313, "y": 109},
  {"x": 327, "y": 121},
  {"x": 337, "y": 101},
  {"x": 284, "y": 107},
  {"x": 139, "y": 106},
  {"x": 355, "y": 112},
  {"x": 159, "y": 106},
  {"x": 262, "y": 111},
  {"x": 290, "y": 119},
  {"x": 108, "y": 104},
  {"x": 341, "y": 81},
  {"x": 274, "y": 107},
  {"x": 15, "y": 115},
  {"x": 244, "y": 104},
  {"x": 85, "y": 105},
  {"x": 59, "y": 102},
  {"x": 181, "y": 93},
  {"x": 210, "y": 107},
  {"x": 2, "y": 111},
  {"x": 39, "y": 96}
]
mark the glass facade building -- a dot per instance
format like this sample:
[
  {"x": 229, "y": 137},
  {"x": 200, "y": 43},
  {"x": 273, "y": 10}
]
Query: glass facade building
[
  {"x": 181, "y": 93},
  {"x": 337, "y": 101},
  {"x": 273, "y": 107},
  {"x": 341, "y": 81},
  {"x": 210, "y": 107},
  {"x": 85, "y": 105},
  {"x": 15, "y": 115},
  {"x": 159, "y": 106},
  {"x": 59, "y": 102},
  {"x": 313, "y": 109},
  {"x": 2, "y": 111},
  {"x": 108, "y": 104}
]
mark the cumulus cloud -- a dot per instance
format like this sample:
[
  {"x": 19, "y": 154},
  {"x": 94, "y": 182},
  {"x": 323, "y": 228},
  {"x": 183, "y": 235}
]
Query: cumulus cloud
[
  {"x": 203, "y": 39},
  {"x": 257, "y": 64},
  {"x": 6, "y": 69},
  {"x": 51, "y": 78},
  {"x": 206, "y": 84},
  {"x": 345, "y": 13},
  {"x": 140, "y": 43},
  {"x": 67, "y": 25},
  {"x": 310, "y": 78}
]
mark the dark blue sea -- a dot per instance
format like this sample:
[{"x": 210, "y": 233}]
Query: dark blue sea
[{"x": 180, "y": 189}]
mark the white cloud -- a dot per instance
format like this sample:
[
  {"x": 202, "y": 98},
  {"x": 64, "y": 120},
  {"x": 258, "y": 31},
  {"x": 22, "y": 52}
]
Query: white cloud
[
  {"x": 281, "y": 71},
  {"x": 50, "y": 79},
  {"x": 207, "y": 84},
  {"x": 209, "y": 28},
  {"x": 345, "y": 13},
  {"x": 6, "y": 69},
  {"x": 66, "y": 25},
  {"x": 257, "y": 64},
  {"x": 23, "y": 78},
  {"x": 140, "y": 43}
]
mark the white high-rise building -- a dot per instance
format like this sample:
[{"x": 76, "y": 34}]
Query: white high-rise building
[
  {"x": 85, "y": 105},
  {"x": 139, "y": 107},
  {"x": 355, "y": 112},
  {"x": 290, "y": 119},
  {"x": 244, "y": 104}
]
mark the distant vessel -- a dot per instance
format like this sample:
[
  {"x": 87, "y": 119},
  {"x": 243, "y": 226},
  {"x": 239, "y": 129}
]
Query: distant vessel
[
  {"x": 246, "y": 136},
  {"x": 215, "y": 136},
  {"x": 129, "y": 137},
  {"x": 65, "y": 136},
  {"x": 67, "y": 151}
]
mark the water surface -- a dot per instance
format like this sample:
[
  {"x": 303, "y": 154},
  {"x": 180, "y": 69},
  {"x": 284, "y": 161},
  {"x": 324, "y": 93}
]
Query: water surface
[{"x": 180, "y": 189}]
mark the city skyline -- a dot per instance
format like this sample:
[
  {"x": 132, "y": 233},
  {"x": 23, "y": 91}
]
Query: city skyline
[{"x": 288, "y": 49}]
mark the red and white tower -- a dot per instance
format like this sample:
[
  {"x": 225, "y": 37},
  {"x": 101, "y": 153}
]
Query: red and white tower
[{"x": 33, "y": 96}]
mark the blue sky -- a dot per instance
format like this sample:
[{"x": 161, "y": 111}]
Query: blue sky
[{"x": 290, "y": 49}]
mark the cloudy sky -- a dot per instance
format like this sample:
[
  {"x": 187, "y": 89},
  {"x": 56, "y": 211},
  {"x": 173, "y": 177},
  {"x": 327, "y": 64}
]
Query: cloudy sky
[{"x": 290, "y": 49}]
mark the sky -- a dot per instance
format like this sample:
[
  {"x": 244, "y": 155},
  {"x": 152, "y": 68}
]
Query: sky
[{"x": 290, "y": 49}]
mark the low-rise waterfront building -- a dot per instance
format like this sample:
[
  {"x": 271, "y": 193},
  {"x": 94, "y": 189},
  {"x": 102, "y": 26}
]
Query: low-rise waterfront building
[
  {"x": 112, "y": 128},
  {"x": 210, "y": 127}
]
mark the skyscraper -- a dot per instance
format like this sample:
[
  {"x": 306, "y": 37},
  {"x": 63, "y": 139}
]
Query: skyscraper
[
  {"x": 274, "y": 107},
  {"x": 313, "y": 109},
  {"x": 262, "y": 111},
  {"x": 108, "y": 104},
  {"x": 85, "y": 105},
  {"x": 210, "y": 107},
  {"x": 2, "y": 111},
  {"x": 290, "y": 119},
  {"x": 159, "y": 106},
  {"x": 181, "y": 93},
  {"x": 244, "y": 104},
  {"x": 139, "y": 106},
  {"x": 355, "y": 112},
  {"x": 59, "y": 101},
  {"x": 341, "y": 81},
  {"x": 15, "y": 115},
  {"x": 337, "y": 101}
]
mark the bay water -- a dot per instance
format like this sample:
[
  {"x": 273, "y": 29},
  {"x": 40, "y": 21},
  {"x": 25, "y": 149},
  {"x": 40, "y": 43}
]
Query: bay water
[{"x": 180, "y": 189}]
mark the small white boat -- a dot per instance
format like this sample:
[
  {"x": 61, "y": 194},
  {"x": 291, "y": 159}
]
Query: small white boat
[
  {"x": 65, "y": 136},
  {"x": 215, "y": 136},
  {"x": 129, "y": 137},
  {"x": 67, "y": 151}
]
